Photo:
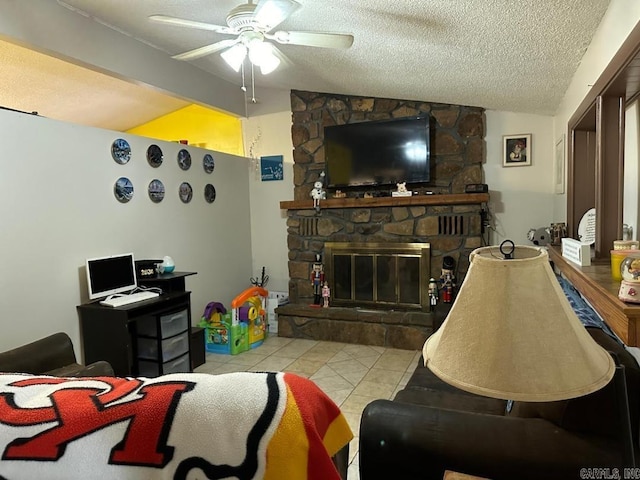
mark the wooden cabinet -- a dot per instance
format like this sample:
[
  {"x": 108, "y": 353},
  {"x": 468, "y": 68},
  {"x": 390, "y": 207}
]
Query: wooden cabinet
[
  {"x": 597, "y": 286},
  {"x": 135, "y": 338}
]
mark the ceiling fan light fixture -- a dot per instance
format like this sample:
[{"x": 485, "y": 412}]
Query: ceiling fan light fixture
[
  {"x": 234, "y": 56},
  {"x": 261, "y": 54}
]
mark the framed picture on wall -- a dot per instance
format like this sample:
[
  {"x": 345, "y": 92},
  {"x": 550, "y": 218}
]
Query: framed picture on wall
[{"x": 516, "y": 150}]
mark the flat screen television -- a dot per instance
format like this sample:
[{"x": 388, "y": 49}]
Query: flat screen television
[
  {"x": 109, "y": 275},
  {"x": 377, "y": 153}
]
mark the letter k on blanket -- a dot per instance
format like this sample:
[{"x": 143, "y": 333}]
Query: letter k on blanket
[{"x": 274, "y": 426}]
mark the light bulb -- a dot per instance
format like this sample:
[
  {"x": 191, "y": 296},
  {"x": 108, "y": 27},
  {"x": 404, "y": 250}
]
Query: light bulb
[
  {"x": 234, "y": 56},
  {"x": 261, "y": 54}
]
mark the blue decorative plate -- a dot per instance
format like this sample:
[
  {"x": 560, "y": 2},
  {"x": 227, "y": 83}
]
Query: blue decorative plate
[
  {"x": 156, "y": 190},
  {"x": 184, "y": 159},
  {"x": 208, "y": 163},
  {"x": 123, "y": 189},
  {"x": 121, "y": 151}
]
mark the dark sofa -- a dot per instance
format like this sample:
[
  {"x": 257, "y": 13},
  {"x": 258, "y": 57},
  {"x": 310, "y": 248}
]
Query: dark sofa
[
  {"x": 431, "y": 427},
  {"x": 51, "y": 355}
]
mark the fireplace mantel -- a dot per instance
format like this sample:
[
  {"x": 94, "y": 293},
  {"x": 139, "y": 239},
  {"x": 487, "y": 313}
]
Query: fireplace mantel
[{"x": 415, "y": 200}]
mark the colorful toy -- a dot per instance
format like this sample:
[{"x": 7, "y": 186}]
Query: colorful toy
[
  {"x": 249, "y": 308},
  {"x": 221, "y": 336}
]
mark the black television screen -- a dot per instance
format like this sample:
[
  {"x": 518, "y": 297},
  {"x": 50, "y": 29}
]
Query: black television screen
[{"x": 377, "y": 153}]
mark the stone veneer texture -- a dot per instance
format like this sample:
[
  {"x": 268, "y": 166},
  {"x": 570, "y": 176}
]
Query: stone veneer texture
[{"x": 457, "y": 155}]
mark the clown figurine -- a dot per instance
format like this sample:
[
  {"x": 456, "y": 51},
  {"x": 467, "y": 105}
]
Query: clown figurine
[{"x": 317, "y": 279}]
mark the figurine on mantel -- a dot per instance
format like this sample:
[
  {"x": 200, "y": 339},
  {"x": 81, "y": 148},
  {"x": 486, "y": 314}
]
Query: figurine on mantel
[
  {"x": 326, "y": 293},
  {"x": 318, "y": 193},
  {"x": 317, "y": 279},
  {"x": 433, "y": 292}
]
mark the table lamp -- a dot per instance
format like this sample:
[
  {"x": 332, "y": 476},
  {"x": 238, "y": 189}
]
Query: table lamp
[{"x": 511, "y": 334}]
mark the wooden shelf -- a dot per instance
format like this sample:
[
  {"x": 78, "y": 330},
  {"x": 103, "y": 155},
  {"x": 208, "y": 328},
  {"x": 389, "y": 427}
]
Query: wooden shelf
[
  {"x": 598, "y": 287},
  {"x": 415, "y": 200}
]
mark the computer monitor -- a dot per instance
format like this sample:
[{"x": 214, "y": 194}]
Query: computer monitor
[{"x": 109, "y": 275}]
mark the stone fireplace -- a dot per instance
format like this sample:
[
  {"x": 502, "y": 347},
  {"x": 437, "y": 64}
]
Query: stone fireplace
[{"x": 446, "y": 219}]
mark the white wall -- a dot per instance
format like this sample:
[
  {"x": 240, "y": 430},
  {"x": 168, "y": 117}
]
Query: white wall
[
  {"x": 521, "y": 197},
  {"x": 631, "y": 169},
  {"x": 57, "y": 209},
  {"x": 271, "y": 135}
]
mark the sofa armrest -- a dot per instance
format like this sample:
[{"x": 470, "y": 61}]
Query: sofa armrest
[
  {"x": 96, "y": 369},
  {"x": 411, "y": 441},
  {"x": 43, "y": 355}
]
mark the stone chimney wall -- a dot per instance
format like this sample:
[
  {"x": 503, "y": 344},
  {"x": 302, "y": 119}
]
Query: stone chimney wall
[
  {"x": 457, "y": 155},
  {"x": 457, "y": 148}
]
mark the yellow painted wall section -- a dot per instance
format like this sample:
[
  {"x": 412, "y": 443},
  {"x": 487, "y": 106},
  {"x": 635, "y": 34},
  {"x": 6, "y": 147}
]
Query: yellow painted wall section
[{"x": 201, "y": 127}]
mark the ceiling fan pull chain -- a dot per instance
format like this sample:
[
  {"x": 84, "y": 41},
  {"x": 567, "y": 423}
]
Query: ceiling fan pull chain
[
  {"x": 243, "y": 87},
  {"x": 253, "y": 85}
]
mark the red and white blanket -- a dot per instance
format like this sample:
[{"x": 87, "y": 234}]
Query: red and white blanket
[{"x": 272, "y": 426}]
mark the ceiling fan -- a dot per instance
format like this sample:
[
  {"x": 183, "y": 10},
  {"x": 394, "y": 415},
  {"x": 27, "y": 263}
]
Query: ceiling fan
[{"x": 253, "y": 24}]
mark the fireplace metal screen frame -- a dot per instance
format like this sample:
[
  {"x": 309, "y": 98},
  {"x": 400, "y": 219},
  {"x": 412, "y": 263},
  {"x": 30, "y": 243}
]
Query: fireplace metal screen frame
[{"x": 407, "y": 249}]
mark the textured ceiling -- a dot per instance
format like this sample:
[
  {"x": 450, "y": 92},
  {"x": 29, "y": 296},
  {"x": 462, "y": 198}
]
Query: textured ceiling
[{"x": 498, "y": 54}]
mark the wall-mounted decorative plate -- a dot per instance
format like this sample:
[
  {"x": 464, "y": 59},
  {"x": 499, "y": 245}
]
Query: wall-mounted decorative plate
[
  {"x": 209, "y": 193},
  {"x": 184, "y": 159},
  {"x": 121, "y": 151},
  {"x": 156, "y": 190},
  {"x": 123, "y": 189},
  {"x": 208, "y": 163},
  {"x": 154, "y": 156},
  {"x": 185, "y": 192}
]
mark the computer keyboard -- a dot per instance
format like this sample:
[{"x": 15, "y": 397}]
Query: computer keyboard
[{"x": 119, "y": 301}]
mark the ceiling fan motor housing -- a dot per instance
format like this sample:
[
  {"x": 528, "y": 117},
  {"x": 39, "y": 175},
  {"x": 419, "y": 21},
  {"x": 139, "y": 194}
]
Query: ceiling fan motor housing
[{"x": 241, "y": 18}]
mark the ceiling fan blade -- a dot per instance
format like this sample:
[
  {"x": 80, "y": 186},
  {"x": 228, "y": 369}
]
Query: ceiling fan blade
[
  {"x": 313, "y": 39},
  {"x": 181, "y": 22},
  {"x": 271, "y": 13},
  {"x": 206, "y": 50}
]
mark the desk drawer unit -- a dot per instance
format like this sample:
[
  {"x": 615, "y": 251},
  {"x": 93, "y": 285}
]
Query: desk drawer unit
[
  {"x": 148, "y": 368},
  {"x": 163, "y": 343},
  {"x": 170, "y": 348},
  {"x": 164, "y": 326}
]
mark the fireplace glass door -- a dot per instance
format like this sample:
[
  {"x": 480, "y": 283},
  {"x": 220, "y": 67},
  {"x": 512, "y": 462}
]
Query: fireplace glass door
[{"x": 384, "y": 275}]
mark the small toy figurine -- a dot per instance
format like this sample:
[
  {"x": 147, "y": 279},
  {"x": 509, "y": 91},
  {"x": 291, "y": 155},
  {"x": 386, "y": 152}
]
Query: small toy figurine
[
  {"x": 539, "y": 236},
  {"x": 317, "y": 279},
  {"x": 433, "y": 292},
  {"x": 402, "y": 187},
  {"x": 317, "y": 193},
  {"x": 326, "y": 293},
  {"x": 447, "y": 279}
]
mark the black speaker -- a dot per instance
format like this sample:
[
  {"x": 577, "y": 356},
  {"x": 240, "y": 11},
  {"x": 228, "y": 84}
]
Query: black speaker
[{"x": 476, "y": 188}]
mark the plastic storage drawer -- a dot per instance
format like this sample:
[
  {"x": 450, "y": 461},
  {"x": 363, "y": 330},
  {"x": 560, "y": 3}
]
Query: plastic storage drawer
[
  {"x": 169, "y": 325},
  {"x": 171, "y": 347},
  {"x": 148, "y": 368}
]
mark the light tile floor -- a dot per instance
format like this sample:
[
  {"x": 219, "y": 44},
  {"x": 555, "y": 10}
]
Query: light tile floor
[{"x": 352, "y": 375}]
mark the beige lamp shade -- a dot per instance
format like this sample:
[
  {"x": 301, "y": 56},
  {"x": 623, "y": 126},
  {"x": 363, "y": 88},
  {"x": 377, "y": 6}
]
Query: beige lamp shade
[{"x": 512, "y": 334}]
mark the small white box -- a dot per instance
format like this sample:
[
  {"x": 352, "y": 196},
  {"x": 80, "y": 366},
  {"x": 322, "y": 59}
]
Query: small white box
[
  {"x": 576, "y": 252},
  {"x": 282, "y": 297},
  {"x": 272, "y": 316}
]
